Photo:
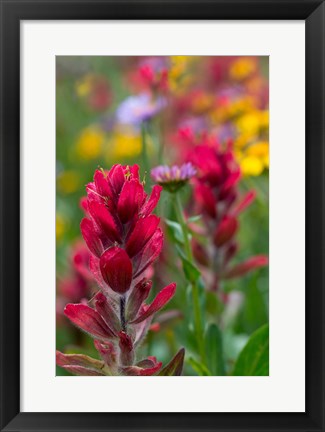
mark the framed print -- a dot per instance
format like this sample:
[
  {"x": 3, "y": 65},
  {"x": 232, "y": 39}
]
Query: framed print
[{"x": 162, "y": 215}]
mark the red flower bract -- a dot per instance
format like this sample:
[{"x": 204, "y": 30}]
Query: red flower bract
[
  {"x": 216, "y": 195},
  {"x": 116, "y": 269},
  {"x": 124, "y": 239},
  {"x": 120, "y": 217}
]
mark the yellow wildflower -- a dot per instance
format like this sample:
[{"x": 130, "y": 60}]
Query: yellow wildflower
[
  {"x": 68, "y": 181},
  {"x": 84, "y": 85},
  {"x": 264, "y": 119},
  {"x": 178, "y": 78},
  {"x": 241, "y": 141},
  {"x": 252, "y": 123},
  {"x": 233, "y": 108},
  {"x": 260, "y": 150},
  {"x": 241, "y": 105},
  {"x": 178, "y": 66},
  {"x": 124, "y": 144},
  {"x": 201, "y": 103},
  {"x": 249, "y": 124},
  {"x": 59, "y": 227},
  {"x": 90, "y": 142},
  {"x": 242, "y": 68},
  {"x": 251, "y": 166}
]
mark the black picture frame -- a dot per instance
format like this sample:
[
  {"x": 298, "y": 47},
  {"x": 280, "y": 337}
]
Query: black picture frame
[{"x": 12, "y": 12}]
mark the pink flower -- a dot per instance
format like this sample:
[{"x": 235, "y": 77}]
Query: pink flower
[{"x": 173, "y": 178}]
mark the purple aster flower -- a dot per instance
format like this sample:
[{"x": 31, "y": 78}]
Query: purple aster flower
[
  {"x": 173, "y": 178},
  {"x": 137, "y": 109}
]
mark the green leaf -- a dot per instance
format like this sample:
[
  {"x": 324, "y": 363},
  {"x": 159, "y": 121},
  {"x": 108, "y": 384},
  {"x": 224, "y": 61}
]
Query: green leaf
[
  {"x": 192, "y": 273},
  {"x": 214, "y": 350},
  {"x": 233, "y": 344},
  {"x": 175, "y": 366},
  {"x": 254, "y": 358},
  {"x": 254, "y": 312},
  {"x": 199, "y": 368},
  {"x": 214, "y": 304},
  {"x": 176, "y": 230}
]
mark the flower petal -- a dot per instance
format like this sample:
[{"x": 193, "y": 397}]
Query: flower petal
[
  {"x": 116, "y": 178},
  {"x": 204, "y": 158},
  {"x": 230, "y": 252},
  {"x": 130, "y": 201},
  {"x": 107, "y": 352},
  {"x": 105, "y": 308},
  {"x": 159, "y": 302},
  {"x": 95, "y": 271},
  {"x": 139, "y": 371},
  {"x": 246, "y": 266},
  {"x": 141, "y": 234},
  {"x": 102, "y": 185},
  {"x": 225, "y": 230},
  {"x": 141, "y": 329},
  {"x": 89, "y": 320},
  {"x": 138, "y": 295},
  {"x": 116, "y": 269},
  {"x": 245, "y": 202},
  {"x": 206, "y": 199},
  {"x": 152, "y": 201},
  {"x": 149, "y": 253},
  {"x": 104, "y": 220},
  {"x": 134, "y": 170},
  {"x": 91, "y": 237},
  {"x": 80, "y": 364},
  {"x": 147, "y": 362},
  {"x": 229, "y": 183}
]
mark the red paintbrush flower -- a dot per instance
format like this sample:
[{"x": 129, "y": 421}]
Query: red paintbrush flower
[
  {"x": 216, "y": 195},
  {"x": 120, "y": 217},
  {"x": 124, "y": 239}
]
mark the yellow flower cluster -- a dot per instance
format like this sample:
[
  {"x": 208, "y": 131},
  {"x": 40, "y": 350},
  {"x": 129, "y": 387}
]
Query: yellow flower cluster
[
  {"x": 90, "y": 143},
  {"x": 251, "y": 130},
  {"x": 178, "y": 78},
  {"x": 251, "y": 151},
  {"x": 124, "y": 144},
  {"x": 242, "y": 68},
  {"x": 233, "y": 109},
  {"x": 255, "y": 158}
]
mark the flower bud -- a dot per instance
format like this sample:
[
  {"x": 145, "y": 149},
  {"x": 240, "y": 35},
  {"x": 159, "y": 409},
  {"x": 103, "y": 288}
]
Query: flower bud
[
  {"x": 225, "y": 230},
  {"x": 116, "y": 269}
]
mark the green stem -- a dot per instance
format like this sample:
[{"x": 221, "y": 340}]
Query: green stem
[
  {"x": 199, "y": 332},
  {"x": 160, "y": 145},
  {"x": 183, "y": 224}
]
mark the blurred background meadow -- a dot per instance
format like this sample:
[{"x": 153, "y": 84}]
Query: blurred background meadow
[{"x": 190, "y": 101}]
